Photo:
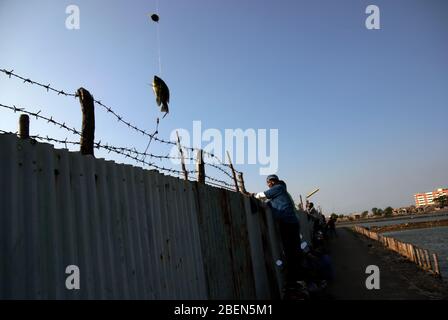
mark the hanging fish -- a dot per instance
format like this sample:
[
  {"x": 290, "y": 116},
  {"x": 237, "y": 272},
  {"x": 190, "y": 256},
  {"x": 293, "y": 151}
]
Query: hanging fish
[
  {"x": 155, "y": 17},
  {"x": 162, "y": 94}
]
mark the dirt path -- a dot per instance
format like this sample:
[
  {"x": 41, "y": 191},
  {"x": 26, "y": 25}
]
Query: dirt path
[{"x": 399, "y": 279}]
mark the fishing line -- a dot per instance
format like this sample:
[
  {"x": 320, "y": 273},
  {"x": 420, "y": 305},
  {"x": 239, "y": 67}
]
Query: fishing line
[
  {"x": 150, "y": 139},
  {"x": 160, "y": 74},
  {"x": 158, "y": 39}
]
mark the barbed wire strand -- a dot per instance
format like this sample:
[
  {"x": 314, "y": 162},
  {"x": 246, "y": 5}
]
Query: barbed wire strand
[
  {"x": 98, "y": 145},
  {"x": 127, "y": 152},
  {"x": 28, "y": 80},
  {"x": 222, "y": 184},
  {"x": 119, "y": 118},
  {"x": 51, "y": 120}
]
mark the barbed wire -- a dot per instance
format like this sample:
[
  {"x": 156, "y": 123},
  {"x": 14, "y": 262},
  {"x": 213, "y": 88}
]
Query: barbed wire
[
  {"x": 221, "y": 184},
  {"x": 120, "y": 150},
  {"x": 219, "y": 168},
  {"x": 111, "y": 111},
  {"x": 151, "y": 155},
  {"x": 138, "y": 160},
  {"x": 127, "y": 152},
  {"x": 98, "y": 145},
  {"x": 28, "y": 80},
  {"x": 37, "y": 115},
  {"x": 73, "y": 130},
  {"x": 154, "y": 137}
]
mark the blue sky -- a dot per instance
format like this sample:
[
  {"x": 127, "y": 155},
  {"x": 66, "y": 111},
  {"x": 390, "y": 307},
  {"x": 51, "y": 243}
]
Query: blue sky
[{"x": 361, "y": 114}]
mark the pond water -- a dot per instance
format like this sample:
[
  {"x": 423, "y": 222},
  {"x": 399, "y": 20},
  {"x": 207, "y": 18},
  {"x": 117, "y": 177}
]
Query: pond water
[{"x": 433, "y": 239}]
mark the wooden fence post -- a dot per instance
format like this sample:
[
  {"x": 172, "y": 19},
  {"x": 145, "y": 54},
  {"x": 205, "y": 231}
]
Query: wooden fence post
[
  {"x": 200, "y": 167},
  {"x": 182, "y": 160},
  {"x": 414, "y": 254},
  {"x": 88, "y": 121},
  {"x": 422, "y": 258},
  {"x": 419, "y": 256},
  {"x": 233, "y": 172},
  {"x": 417, "y": 253},
  {"x": 24, "y": 126},
  {"x": 436, "y": 264},
  {"x": 241, "y": 181},
  {"x": 425, "y": 262},
  {"x": 408, "y": 252}
]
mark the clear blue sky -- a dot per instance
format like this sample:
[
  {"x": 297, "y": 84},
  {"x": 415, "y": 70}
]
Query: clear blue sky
[{"x": 361, "y": 114}]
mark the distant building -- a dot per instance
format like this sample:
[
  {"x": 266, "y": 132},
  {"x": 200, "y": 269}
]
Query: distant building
[{"x": 427, "y": 198}]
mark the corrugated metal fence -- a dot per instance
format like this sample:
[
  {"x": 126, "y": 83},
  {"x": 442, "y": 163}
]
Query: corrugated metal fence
[{"x": 133, "y": 233}]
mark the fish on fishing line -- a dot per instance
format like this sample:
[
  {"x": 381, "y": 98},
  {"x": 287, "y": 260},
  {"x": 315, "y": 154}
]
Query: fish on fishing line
[{"x": 162, "y": 93}]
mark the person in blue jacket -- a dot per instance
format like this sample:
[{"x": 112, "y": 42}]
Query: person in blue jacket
[{"x": 282, "y": 208}]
